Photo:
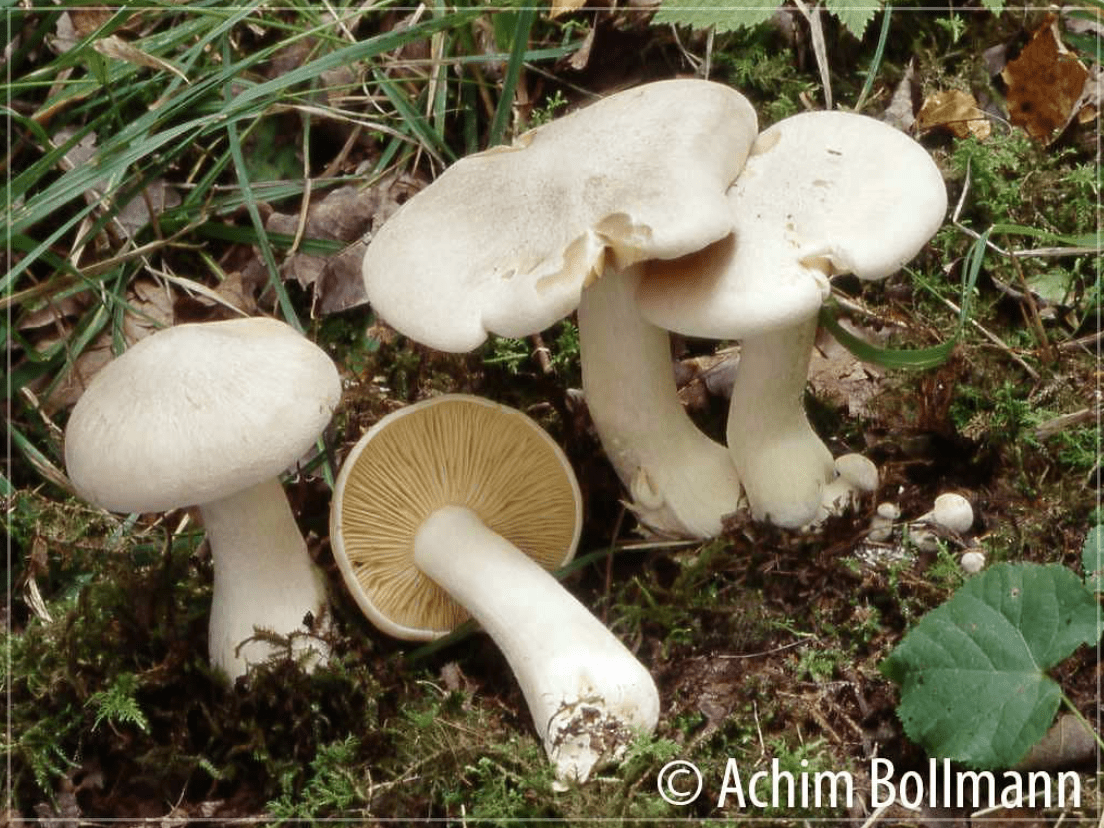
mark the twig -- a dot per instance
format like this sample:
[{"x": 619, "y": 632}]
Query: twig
[
  {"x": 771, "y": 651},
  {"x": 820, "y": 50},
  {"x": 877, "y": 815},
  {"x": 996, "y": 340},
  {"x": 689, "y": 57},
  {"x": 1032, "y": 314},
  {"x": 1064, "y": 421},
  {"x": 540, "y": 351},
  {"x": 1085, "y": 342}
]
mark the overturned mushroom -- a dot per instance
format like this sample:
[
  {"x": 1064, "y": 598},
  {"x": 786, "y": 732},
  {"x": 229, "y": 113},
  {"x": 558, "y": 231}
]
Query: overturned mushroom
[
  {"x": 457, "y": 505},
  {"x": 513, "y": 239},
  {"x": 208, "y": 415},
  {"x": 822, "y": 193}
]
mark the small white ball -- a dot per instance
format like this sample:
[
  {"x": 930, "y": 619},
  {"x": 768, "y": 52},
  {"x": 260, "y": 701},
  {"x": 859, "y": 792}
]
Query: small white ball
[{"x": 972, "y": 561}]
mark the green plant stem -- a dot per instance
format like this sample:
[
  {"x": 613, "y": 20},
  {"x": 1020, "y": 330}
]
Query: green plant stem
[
  {"x": 525, "y": 19},
  {"x": 872, "y": 72},
  {"x": 1084, "y": 722},
  {"x": 277, "y": 285}
]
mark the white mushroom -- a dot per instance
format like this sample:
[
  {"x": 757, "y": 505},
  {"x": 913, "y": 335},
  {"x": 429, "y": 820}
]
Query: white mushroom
[
  {"x": 457, "y": 505},
  {"x": 951, "y": 511},
  {"x": 209, "y": 415},
  {"x": 822, "y": 193},
  {"x": 513, "y": 239},
  {"x": 972, "y": 561},
  {"x": 855, "y": 476},
  {"x": 881, "y": 524}
]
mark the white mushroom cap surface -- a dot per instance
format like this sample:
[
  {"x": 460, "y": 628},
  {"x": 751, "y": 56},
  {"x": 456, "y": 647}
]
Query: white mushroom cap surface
[
  {"x": 197, "y": 412},
  {"x": 505, "y": 240},
  {"x": 822, "y": 193}
]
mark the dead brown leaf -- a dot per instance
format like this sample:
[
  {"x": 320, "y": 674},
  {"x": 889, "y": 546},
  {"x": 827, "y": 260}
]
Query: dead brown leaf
[
  {"x": 341, "y": 286},
  {"x": 240, "y": 289},
  {"x": 348, "y": 214},
  {"x": 955, "y": 111},
  {"x": 701, "y": 377},
  {"x": 76, "y": 24},
  {"x": 149, "y": 308},
  {"x": 1067, "y": 744},
  {"x": 1045, "y": 83},
  {"x": 835, "y": 374},
  {"x": 564, "y": 6},
  {"x": 902, "y": 106},
  {"x": 136, "y": 213},
  {"x": 1088, "y": 107},
  {"x": 115, "y": 47},
  {"x": 56, "y": 311}
]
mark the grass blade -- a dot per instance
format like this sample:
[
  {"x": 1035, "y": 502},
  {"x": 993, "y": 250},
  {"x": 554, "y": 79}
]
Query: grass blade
[{"x": 525, "y": 18}]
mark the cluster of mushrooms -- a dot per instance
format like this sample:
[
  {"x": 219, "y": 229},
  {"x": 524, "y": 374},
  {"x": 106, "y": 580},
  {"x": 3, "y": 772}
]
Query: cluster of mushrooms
[{"x": 661, "y": 208}]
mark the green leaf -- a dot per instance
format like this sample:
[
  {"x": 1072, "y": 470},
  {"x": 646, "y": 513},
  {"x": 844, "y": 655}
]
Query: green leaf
[
  {"x": 973, "y": 686},
  {"x": 519, "y": 43},
  {"x": 117, "y": 704},
  {"x": 1090, "y": 240},
  {"x": 915, "y": 358},
  {"x": 721, "y": 14},
  {"x": 1092, "y": 558},
  {"x": 854, "y": 15},
  {"x": 1054, "y": 286}
]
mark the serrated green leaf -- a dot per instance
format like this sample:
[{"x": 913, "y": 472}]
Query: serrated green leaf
[
  {"x": 723, "y": 15},
  {"x": 1092, "y": 558},
  {"x": 854, "y": 14},
  {"x": 972, "y": 672}
]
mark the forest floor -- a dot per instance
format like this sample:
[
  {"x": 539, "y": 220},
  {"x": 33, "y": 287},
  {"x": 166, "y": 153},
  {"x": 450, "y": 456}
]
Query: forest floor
[{"x": 172, "y": 164}]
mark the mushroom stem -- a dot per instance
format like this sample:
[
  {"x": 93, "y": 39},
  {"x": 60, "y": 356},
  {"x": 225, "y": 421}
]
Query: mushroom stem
[
  {"x": 682, "y": 483},
  {"x": 782, "y": 463},
  {"x": 585, "y": 690},
  {"x": 263, "y": 578}
]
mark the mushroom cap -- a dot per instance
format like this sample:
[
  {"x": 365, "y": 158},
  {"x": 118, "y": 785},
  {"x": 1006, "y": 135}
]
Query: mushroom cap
[
  {"x": 197, "y": 412},
  {"x": 972, "y": 561},
  {"x": 822, "y": 193},
  {"x": 451, "y": 450},
  {"x": 505, "y": 240},
  {"x": 953, "y": 511}
]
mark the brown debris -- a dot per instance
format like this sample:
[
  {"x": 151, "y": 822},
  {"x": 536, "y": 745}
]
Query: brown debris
[
  {"x": 955, "y": 111},
  {"x": 1045, "y": 84},
  {"x": 149, "y": 308},
  {"x": 348, "y": 214},
  {"x": 837, "y": 375}
]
